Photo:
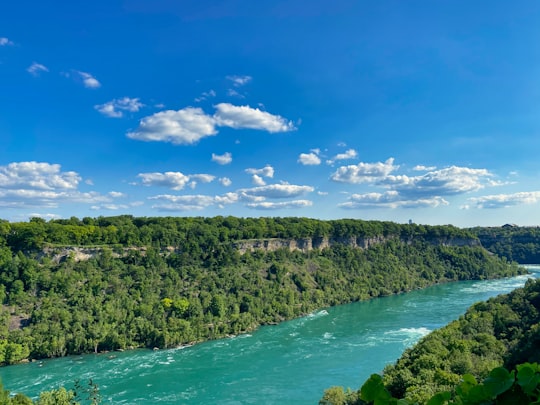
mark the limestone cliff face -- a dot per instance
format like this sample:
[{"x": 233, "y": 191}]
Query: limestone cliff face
[
  {"x": 307, "y": 244},
  {"x": 75, "y": 253}
]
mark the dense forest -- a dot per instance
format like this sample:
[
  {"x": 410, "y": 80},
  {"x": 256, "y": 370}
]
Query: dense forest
[
  {"x": 504, "y": 331},
  {"x": 163, "y": 282},
  {"x": 519, "y": 244}
]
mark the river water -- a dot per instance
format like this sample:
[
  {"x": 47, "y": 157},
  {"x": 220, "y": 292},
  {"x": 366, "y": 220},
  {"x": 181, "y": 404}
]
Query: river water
[{"x": 291, "y": 363}]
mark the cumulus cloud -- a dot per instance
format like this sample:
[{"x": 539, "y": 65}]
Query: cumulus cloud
[
  {"x": 36, "y": 175},
  {"x": 266, "y": 205},
  {"x": 116, "y": 107},
  {"x": 44, "y": 216},
  {"x": 224, "y": 159},
  {"x": 227, "y": 198},
  {"x": 182, "y": 127},
  {"x": 349, "y": 154},
  {"x": 425, "y": 190},
  {"x": 173, "y": 180},
  {"x": 225, "y": 181},
  {"x": 36, "y": 68},
  {"x": 43, "y": 185},
  {"x": 275, "y": 191},
  {"x": 266, "y": 171},
  {"x": 506, "y": 200},
  {"x": 364, "y": 172},
  {"x": 448, "y": 181},
  {"x": 88, "y": 80},
  {"x": 245, "y": 117},
  {"x": 116, "y": 194},
  {"x": 390, "y": 199},
  {"x": 191, "y": 202},
  {"x": 239, "y": 81},
  {"x": 309, "y": 159},
  {"x": 188, "y": 125},
  {"x": 422, "y": 168},
  {"x": 5, "y": 42},
  {"x": 257, "y": 180},
  {"x": 203, "y": 178}
]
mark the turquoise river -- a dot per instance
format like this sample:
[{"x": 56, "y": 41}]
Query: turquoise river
[{"x": 291, "y": 363}]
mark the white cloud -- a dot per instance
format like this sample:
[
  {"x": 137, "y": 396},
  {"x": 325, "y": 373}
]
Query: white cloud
[
  {"x": 22, "y": 198},
  {"x": 88, "y": 80},
  {"x": 187, "y": 126},
  {"x": 448, "y": 181},
  {"x": 422, "y": 168},
  {"x": 389, "y": 199},
  {"x": 173, "y": 180},
  {"x": 115, "y": 207},
  {"x": 203, "y": 178},
  {"x": 36, "y": 68},
  {"x": 44, "y": 216},
  {"x": 43, "y": 185},
  {"x": 115, "y": 108},
  {"x": 349, "y": 154},
  {"x": 182, "y": 127},
  {"x": 205, "y": 95},
  {"x": 36, "y": 175},
  {"x": 227, "y": 198},
  {"x": 266, "y": 171},
  {"x": 116, "y": 194},
  {"x": 506, "y": 200},
  {"x": 239, "y": 81},
  {"x": 224, "y": 159},
  {"x": 275, "y": 191},
  {"x": 257, "y": 180},
  {"x": 364, "y": 172},
  {"x": 245, "y": 117},
  {"x": 182, "y": 202},
  {"x": 191, "y": 202},
  {"x": 5, "y": 41},
  {"x": 266, "y": 205},
  {"x": 309, "y": 159},
  {"x": 225, "y": 181}
]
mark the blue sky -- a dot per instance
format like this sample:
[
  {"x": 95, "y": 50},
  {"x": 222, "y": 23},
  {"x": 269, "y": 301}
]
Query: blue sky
[{"x": 388, "y": 110}]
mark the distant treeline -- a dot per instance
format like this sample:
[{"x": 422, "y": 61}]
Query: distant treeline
[
  {"x": 126, "y": 230},
  {"x": 204, "y": 288},
  {"x": 520, "y": 244},
  {"x": 504, "y": 331}
]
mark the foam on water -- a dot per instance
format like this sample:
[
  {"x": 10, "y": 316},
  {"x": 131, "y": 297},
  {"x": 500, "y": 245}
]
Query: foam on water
[{"x": 318, "y": 314}]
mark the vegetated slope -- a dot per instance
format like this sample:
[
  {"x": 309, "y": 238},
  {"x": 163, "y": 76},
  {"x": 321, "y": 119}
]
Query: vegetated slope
[
  {"x": 520, "y": 244},
  {"x": 504, "y": 330},
  {"x": 188, "y": 283}
]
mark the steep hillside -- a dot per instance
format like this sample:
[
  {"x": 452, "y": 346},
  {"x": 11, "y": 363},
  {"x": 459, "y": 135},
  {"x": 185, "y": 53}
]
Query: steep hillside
[{"x": 162, "y": 282}]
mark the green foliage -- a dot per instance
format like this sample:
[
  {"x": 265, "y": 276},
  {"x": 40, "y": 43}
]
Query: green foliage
[
  {"x": 500, "y": 387},
  {"x": 164, "y": 282},
  {"x": 81, "y": 394},
  {"x": 520, "y": 244}
]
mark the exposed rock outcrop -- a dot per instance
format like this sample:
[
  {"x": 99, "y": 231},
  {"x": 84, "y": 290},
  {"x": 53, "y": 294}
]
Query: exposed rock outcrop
[{"x": 60, "y": 254}]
